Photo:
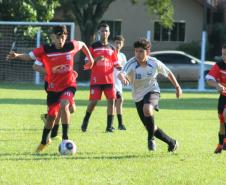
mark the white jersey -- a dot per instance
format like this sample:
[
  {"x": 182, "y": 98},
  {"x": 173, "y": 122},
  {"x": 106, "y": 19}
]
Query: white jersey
[
  {"x": 144, "y": 79},
  {"x": 122, "y": 60}
]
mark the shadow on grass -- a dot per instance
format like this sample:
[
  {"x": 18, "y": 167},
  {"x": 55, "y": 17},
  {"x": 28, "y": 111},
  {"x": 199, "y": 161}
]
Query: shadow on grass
[
  {"x": 174, "y": 104},
  {"x": 80, "y": 156}
]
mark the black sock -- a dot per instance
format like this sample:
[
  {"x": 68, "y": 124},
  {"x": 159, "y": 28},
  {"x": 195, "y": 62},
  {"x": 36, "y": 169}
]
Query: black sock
[
  {"x": 149, "y": 124},
  {"x": 163, "y": 136},
  {"x": 221, "y": 138},
  {"x": 54, "y": 131},
  {"x": 65, "y": 128},
  {"x": 119, "y": 116},
  {"x": 45, "y": 136},
  {"x": 110, "y": 121},
  {"x": 225, "y": 130},
  {"x": 87, "y": 116}
]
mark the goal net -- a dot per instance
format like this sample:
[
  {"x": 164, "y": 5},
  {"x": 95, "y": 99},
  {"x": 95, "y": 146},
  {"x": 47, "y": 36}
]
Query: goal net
[{"x": 24, "y": 37}]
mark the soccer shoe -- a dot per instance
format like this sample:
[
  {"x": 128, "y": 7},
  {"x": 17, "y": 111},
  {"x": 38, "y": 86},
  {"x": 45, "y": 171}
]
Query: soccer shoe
[
  {"x": 109, "y": 129},
  {"x": 151, "y": 145},
  {"x": 43, "y": 118},
  {"x": 219, "y": 149},
  {"x": 121, "y": 127},
  {"x": 224, "y": 146},
  {"x": 41, "y": 147},
  {"x": 173, "y": 146}
]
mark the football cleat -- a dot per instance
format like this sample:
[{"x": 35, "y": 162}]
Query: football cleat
[
  {"x": 41, "y": 147},
  {"x": 219, "y": 149},
  {"x": 151, "y": 145},
  {"x": 110, "y": 129},
  {"x": 173, "y": 146},
  {"x": 121, "y": 127}
]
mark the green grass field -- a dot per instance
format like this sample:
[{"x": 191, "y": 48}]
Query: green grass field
[{"x": 120, "y": 158}]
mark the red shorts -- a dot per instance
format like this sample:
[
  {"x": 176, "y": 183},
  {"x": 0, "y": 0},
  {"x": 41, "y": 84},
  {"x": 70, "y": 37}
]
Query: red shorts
[
  {"x": 54, "y": 106},
  {"x": 96, "y": 92}
]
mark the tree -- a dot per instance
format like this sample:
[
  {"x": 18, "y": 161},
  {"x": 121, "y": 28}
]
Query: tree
[
  {"x": 28, "y": 10},
  {"x": 88, "y": 14}
]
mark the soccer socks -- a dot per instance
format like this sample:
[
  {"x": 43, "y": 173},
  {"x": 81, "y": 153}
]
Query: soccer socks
[
  {"x": 163, "y": 136},
  {"x": 149, "y": 124},
  {"x": 221, "y": 138},
  {"x": 45, "y": 136},
  {"x": 65, "y": 128},
  {"x": 119, "y": 116},
  {"x": 110, "y": 120},
  {"x": 87, "y": 116},
  {"x": 54, "y": 131}
]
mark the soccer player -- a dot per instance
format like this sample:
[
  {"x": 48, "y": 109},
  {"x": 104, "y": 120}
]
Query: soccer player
[
  {"x": 217, "y": 78},
  {"x": 141, "y": 72},
  {"x": 58, "y": 59},
  {"x": 102, "y": 77},
  {"x": 118, "y": 42}
]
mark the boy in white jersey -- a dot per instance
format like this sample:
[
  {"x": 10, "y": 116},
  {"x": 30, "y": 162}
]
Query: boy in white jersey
[
  {"x": 141, "y": 72},
  {"x": 118, "y": 42}
]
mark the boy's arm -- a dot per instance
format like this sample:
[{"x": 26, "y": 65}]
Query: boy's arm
[
  {"x": 173, "y": 80},
  {"x": 18, "y": 56},
  {"x": 90, "y": 62}
]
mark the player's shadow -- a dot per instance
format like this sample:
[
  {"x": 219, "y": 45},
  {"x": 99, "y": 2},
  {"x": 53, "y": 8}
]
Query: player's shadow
[{"x": 26, "y": 156}]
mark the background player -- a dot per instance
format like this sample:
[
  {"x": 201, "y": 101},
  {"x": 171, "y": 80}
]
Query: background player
[
  {"x": 118, "y": 42},
  {"x": 102, "y": 77}
]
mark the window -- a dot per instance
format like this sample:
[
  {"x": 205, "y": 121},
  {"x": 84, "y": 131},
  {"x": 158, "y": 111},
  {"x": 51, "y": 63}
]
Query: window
[
  {"x": 177, "y": 33},
  {"x": 115, "y": 27}
]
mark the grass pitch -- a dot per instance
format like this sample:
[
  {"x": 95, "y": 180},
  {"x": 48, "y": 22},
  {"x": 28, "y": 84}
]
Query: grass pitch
[{"x": 120, "y": 158}]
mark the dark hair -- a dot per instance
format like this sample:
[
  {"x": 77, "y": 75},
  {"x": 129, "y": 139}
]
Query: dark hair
[
  {"x": 224, "y": 46},
  {"x": 142, "y": 43},
  {"x": 119, "y": 37},
  {"x": 103, "y": 24},
  {"x": 59, "y": 30}
]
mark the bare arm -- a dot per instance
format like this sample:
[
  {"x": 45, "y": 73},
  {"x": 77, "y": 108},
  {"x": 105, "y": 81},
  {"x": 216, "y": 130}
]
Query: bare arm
[
  {"x": 212, "y": 83},
  {"x": 90, "y": 62},
  {"x": 173, "y": 80},
  {"x": 18, "y": 56},
  {"x": 123, "y": 79},
  {"x": 38, "y": 68}
]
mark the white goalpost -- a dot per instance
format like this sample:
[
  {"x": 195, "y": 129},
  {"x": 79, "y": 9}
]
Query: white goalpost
[{"x": 24, "y": 37}]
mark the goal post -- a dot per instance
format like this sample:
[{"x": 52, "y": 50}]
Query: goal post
[{"x": 24, "y": 37}]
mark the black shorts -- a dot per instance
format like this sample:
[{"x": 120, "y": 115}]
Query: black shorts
[
  {"x": 150, "y": 98},
  {"x": 53, "y": 97},
  {"x": 221, "y": 104}
]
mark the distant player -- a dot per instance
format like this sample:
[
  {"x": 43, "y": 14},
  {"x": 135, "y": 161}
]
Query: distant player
[
  {"x": 102, "y": 77},
  {"x": 217, "y": 78},
  {"x": 141, "y": 72},
  {"x": 58, "y": 59},
  {"x": 118, "y": 42}
]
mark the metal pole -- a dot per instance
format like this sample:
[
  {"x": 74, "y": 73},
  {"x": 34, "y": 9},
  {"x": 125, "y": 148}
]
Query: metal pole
[
  {"x": 201, "y": 85},
  {"x": 38, "y": 41}
]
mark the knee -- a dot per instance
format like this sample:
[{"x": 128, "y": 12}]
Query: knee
[
  {"x": 64, "y": 105},
  {"x": 148, "y": 111},
  {"x": 72, "y": 108}
]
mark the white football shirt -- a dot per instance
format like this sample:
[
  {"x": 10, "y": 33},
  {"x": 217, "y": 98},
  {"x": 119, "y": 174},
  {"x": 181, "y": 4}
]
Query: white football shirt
[{"x": 143, "y": 79}]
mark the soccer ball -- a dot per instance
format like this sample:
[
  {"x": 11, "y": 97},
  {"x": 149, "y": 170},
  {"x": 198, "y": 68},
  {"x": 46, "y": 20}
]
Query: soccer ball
[{"x": 67, "y": 147}]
